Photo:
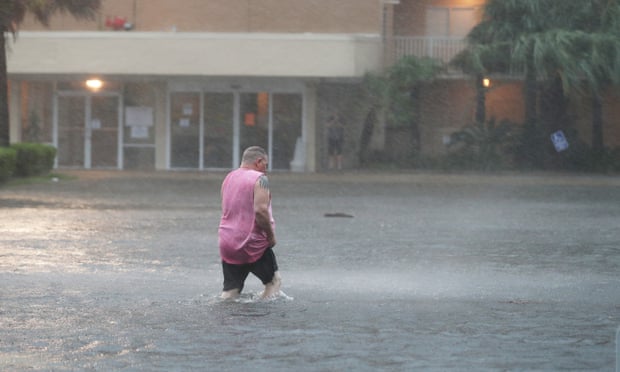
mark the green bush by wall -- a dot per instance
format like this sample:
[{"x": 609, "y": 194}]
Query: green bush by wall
[
  {"x": 33, "y": 159},
  {"x": 8, "y": 158}
]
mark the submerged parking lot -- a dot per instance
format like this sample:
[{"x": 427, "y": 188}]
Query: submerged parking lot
[{"x": 109, "y": 270}]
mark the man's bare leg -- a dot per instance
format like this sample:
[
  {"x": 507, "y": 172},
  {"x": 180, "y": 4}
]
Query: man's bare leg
[
  {"x": 230, "y": 295},
  {"x": 272, "y": 288}
]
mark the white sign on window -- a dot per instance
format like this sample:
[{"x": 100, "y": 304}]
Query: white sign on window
[
  {"x": 95, "y": 123},
  {"x": 138, "y": 116},
  {"x": 184, "y": 122},
  {"x": 139, "y": 131}
]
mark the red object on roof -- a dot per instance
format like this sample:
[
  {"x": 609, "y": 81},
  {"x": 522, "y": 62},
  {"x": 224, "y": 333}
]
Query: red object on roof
[{"x": 116, "y": 22}]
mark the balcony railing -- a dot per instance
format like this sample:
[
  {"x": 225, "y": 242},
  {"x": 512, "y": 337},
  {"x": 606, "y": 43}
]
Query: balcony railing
[
  {"x": 443, "y": 49},
  {"x": 440, "y": 48}
]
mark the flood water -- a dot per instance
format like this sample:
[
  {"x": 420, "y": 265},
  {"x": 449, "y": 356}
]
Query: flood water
[{"x": 120, "y": 271}]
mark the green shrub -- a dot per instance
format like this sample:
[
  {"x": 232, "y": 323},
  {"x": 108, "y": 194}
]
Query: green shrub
[
  {"x": 615, "y": 159},
  {"x": 482, "y": 146},
  {"x": 33, "y": 159},
  {"x": 8, "y": 158}
]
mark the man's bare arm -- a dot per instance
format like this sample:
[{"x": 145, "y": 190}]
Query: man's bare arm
[{"x": 261, "y": 208}]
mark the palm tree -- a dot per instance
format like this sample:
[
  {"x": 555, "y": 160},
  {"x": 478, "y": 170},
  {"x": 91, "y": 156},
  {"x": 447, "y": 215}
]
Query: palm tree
[
  {"x": 503, "y": 26},
  {"x": 12, "y": 13},
  {"x": 576, "y": 43},
  {"x": 395, "y": 94},
  {"x": 585, "y": 53}
]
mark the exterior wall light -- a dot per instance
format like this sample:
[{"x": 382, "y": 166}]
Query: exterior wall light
[
  {"x": 94, "y": 84},
  {"x": 486, "y": 82}
]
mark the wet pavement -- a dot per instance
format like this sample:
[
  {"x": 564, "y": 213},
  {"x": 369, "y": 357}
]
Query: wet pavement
[{"x": 119, "y": 271}]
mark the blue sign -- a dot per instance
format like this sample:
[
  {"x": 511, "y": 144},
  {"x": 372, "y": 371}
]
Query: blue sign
[{"x": 559, "y": 141}]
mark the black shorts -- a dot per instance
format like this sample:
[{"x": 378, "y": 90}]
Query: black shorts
[{"x": 264, "y": 269}]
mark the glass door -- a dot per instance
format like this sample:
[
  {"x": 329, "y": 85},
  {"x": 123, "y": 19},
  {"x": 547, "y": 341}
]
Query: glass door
[
  {"x": 254, "y": 120},
  {"x": 218, "y": 130},
  {"x": 87, "y": 130},
  {"x": 184, "y": 130},
  {"x": 272, "y": 121},
  {"x": 103, "y": 130},
  {"x": 71, "y": 130}
]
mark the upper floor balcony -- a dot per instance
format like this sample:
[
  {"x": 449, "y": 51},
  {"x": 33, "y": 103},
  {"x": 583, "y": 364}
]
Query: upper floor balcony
[{"x": 442, "y": 49}]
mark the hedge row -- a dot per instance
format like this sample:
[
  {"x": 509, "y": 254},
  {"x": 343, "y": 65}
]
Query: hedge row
[
  {"x": 26, "y": 160},
  {"x": 8, "y": 157}
]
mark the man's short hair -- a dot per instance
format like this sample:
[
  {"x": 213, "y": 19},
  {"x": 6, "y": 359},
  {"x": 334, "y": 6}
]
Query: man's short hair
[{"x": 253, "y": 153}]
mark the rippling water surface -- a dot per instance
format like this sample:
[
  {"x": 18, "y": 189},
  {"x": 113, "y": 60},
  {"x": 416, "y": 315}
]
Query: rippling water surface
[{"x": 120, "y": 271}]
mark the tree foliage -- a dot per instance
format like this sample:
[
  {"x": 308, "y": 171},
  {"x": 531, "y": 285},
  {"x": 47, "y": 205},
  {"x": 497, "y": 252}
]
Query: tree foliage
[
  {"x": 577, "y": 42},
  {"x": 393, "y": 88},
  {"x": 392, "y": 95}
]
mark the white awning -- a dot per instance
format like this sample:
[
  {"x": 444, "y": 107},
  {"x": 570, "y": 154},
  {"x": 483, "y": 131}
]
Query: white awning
[{"x": 194, "y": 54}]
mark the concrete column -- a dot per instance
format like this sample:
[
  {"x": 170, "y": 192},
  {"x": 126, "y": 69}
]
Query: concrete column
[
  {"x": 15, "y": 113},
  {"x": 161, "y": 126},
  {"x": 309, "y": 126}
]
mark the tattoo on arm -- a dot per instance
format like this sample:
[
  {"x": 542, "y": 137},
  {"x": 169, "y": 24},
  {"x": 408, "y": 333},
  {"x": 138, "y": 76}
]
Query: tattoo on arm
[{"x": 263, "y": 182}]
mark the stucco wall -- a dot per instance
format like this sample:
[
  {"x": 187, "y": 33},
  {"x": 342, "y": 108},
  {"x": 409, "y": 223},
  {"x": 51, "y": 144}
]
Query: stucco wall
[
  {"x": 187, "y": 54},
  {"x": 410, "y": 15}
]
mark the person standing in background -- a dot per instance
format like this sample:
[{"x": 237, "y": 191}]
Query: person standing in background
[{"x": 335, "y": 141}]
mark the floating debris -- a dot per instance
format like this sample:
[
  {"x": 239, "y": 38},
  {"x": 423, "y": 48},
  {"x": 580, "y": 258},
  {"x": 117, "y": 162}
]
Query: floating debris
[{"x": 338, "y": 214}]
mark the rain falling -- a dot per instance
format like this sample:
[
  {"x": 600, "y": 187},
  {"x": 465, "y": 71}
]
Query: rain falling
[{"x": 443, "y": 177}]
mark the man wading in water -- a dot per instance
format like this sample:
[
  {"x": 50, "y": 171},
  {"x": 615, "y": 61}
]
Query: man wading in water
[{"x": 246, "y": 232}]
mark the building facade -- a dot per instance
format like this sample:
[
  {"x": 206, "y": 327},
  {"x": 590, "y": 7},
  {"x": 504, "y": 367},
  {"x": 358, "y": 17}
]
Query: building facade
[{"x": 188, "y": 84}]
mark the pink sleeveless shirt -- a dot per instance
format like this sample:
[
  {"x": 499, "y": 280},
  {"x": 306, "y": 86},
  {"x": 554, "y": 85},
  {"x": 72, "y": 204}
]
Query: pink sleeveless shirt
[{"x": 241, "y": 241}]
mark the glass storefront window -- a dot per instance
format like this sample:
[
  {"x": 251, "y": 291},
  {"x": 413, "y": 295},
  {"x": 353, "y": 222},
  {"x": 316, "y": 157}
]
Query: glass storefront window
[
  {"x": 36, "y": 112},
  {"x": 270, "y": 120},
  {"x": 139, "y": 126},
  {"x": 287, "y": 115},
  {"x": 218, "y": 132},
  {"x": 254, "y": 121}
]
